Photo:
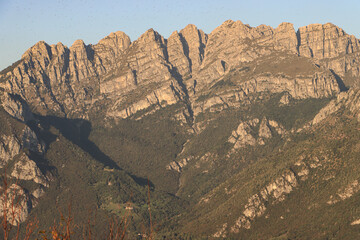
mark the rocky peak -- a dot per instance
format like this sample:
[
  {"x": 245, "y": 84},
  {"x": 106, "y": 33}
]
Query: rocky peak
[
  {"x": 41, "y": 48},
  {"x": 80, "y": 61},
  {"x": 79, "y": 43},
  {"x": 65, "y": 79},
  {"x": 234, "y": 29},
  {"x": 285, "y": 36},
  {"x": 265, "y": 30},
  {"x": 116, "y": 40},
  {"x": 78, "y": 49},
  {"x": 58, "y": 49},
  {"x": 110, "y": 50},
  {"x": 40, "y": 53},
  {"x": 178, "y": 53},
  {"x": 189, "y": 28},
  {"x": 149, "y": 46},
  {"x": 194, "y": 42},
  {"x": 150, "y": 36},
  {"x": 325, "y": 41}
]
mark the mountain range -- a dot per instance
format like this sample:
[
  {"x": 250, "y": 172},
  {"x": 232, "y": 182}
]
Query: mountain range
[{"x": 242, "y": 133}]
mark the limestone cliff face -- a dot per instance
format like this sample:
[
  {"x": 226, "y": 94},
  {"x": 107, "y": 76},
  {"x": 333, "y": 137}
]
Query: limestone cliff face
[
  {"x": 234, "y": 42},
  {"x": 186, "y": 49},
  {"x": 256, "y": 205},
  {"x": 17, "y": 138},
  {"x": 245, "y": 134},
  {"x": 346, "y": 100},
  {"x": 331, "y": 46},
  {"x": 194, "y": 41},
  {"x": 131, "y": 76},
  {"x": 17, "y": 107},
  {"x": 178, "y": 54},
  {"x": 325, "y": 41},
  {"x": 53, "y": 78},
  {"x": 23, "y": 204},
  {"x": 111, "y": 48},
  {"x": 20, "y": 149},
  {"x": 321, "y": 84}
]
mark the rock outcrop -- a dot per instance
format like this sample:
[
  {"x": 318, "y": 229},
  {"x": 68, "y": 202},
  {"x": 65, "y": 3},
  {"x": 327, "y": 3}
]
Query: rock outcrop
[
  {"x": 247, "y": 135},
  {"x": 55, "y": 79},
  {"x": 9, "y": 147},
  {"x": 243, "y": 135},
  {"x": 17, "y": 107},
  {"x": 325, "y": 41},
  {"x": 179, "y": 165},
  {"x": 345, "y": 193},
  {"x": 320, "y": 84},
  {"x": 346, "y": 100},
  {"x": 19, "y": 145},
  {"x": 255, "y": 206},
  {"x": 16, "y": 202},
  {"x": 26, "y": 169}
]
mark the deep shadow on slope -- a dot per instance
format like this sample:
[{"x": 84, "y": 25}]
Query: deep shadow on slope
[
  {"x": 146, "y": 146},
  {"x": 78, "y": 131},
  {"x": 340, "y": 82}
]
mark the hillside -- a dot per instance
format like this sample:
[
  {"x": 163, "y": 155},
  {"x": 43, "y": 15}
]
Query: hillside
[{"x": 242, "y": 133}]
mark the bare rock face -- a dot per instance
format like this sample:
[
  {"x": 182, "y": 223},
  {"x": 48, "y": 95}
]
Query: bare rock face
[
  {"x": 160, "y": 97},
  {"x": 30, "y": 141},
  {"x": 17, "y": 143},
  {"x": 48, "y": 77},
  {"x": 55, "y": 79},
  {"x": 255, "y": 207},
  {"x": 226, "y": 45},
  {"x": 16, "y": 107},
  {"x": 16, "y": 139},
  {"x": 26, "y": 169},
  {"x": 346, "y": 100},
  {"x": 186, "y": 49},
  {"x": 245, "y": 134},
  {"x": 234, "y": 42},
  {"x": 194, "y": 41},
  {"x": 285, "y": 99},
  {"x": 111, "y": 49},
  {"x": 9, "y": 147},
  {"x": 17, "y": 210},
  {"x": 264, "y": 129},
  {"x": 285, "y": 37},
  {"x": 149, "y": 58},
  {"x": 277, "y": 127},
  {"x": 179, "y": 165},
  {"x": 178, "y": 54},
  {"x": 325, "y": 41}
]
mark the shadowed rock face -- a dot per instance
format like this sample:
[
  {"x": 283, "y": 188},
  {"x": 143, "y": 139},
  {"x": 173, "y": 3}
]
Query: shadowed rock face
[{"x": 154, "y": 70}]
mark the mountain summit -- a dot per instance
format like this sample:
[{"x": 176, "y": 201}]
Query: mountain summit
[{"x": 245, "y": 132}]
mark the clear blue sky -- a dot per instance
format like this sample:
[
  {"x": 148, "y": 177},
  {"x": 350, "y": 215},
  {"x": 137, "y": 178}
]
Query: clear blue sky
[{"x": 25, "y": 22}]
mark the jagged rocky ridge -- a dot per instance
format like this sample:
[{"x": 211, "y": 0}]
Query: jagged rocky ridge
[
  {"x": 226, "y": 69},
  {"x": 130, "y": 76}
]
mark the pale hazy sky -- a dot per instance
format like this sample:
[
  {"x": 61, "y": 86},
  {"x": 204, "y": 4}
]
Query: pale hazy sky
[{"x": 25, "y": 22}]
